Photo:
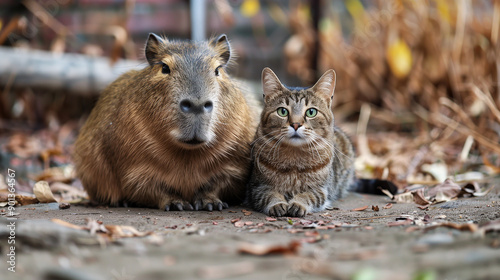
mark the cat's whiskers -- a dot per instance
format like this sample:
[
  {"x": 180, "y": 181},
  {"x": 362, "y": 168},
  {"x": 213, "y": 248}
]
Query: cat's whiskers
[
  {"x": 258, "y": 139},
  {"x": 337, "y": 156},
  {"x": 311, "y": 143},
  {"x": 340, "y": 152},
  {"x": 315, "y": 144},
  {"x": 337, "y": 152},
  {"x": 311, "y": 146},
  {"x": 261, "y": 149},
  {"x": 276, "y": 147}
]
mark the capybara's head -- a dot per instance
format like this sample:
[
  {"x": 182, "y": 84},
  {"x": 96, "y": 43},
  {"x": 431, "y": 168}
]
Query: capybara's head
[{"x": 185, "y": 84}]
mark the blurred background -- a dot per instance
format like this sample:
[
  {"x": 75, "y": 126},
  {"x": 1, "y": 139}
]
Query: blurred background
[{"x": 417, "y": 81}]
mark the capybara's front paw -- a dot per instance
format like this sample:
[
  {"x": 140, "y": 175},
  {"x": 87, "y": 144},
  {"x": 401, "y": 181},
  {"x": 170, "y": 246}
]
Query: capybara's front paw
[
  {"x": 175, "y": 203},
  {"x": 209, "y": 203}
]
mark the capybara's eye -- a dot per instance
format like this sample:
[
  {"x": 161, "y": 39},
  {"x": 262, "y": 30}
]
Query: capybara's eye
[
  {"x": 165, "y": 69},
  {"x": 217, "y": 72}
]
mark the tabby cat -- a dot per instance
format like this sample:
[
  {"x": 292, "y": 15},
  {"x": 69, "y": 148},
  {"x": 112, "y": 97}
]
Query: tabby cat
[{"x": 302, "y": 162}]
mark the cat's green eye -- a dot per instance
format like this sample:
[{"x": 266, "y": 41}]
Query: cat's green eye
[
  {"x": 311, "y": 113},
  {"x": 282, "y": 112}
]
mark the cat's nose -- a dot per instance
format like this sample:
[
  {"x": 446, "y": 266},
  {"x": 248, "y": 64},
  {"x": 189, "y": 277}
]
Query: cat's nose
[{"x": 295, "y": 126}]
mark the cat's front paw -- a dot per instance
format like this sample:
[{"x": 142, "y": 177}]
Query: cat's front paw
[
  {"x": 278, "y": 210},
  {"x": 297, "y": 210}
]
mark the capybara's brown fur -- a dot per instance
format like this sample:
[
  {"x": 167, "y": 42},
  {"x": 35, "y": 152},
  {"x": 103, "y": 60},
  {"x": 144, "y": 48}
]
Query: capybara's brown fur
[{"x": 174, "y": 135}]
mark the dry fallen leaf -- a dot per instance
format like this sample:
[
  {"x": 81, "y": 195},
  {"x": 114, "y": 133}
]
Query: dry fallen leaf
[
  {"x": 388, "y": 193},
  {"x": 469, "y": 190},
  {"x": 418, "y": 197},
  {"x": 261, "y": 250},
  {"x": 57, "y": 174},
  {"x": 110, "y": 231},
  {"x": 441, "y": 197},
  {"x": 406, "y": 197},
  {"x": 446, "y": 190},
  {"x": 306, "y": 222},
  {"x": 478, "y": 193},
  {"x": 360, "y": 208},
  {"x": 271, "y": 219},
  {"x": 388, "y": 206},
  {"x": 464, "y": 227},
  {"x": 68, "y": 193},
  {"x": 375, "y": 208},
  {"x": 246, "y": 212},
  {"x": 438, "y": 170},
  {"x": 239, "y": 224},
  {"x": 26, "y": 199},
  {"x": 43, "y": 193},
  {"x": 117, "y": 231}
]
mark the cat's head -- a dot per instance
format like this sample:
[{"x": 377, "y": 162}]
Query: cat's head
[{"x": 298, "y": 116}]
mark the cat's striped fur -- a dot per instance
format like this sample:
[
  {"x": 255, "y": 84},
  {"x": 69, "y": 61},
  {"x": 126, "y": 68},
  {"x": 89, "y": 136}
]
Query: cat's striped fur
[{"x": 301, "y": 164}]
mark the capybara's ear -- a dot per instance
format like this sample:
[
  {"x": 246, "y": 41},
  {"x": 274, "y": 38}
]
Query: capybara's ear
[
  {"x": 153, "y": 45},
  {"x": 223, "y": 48}
]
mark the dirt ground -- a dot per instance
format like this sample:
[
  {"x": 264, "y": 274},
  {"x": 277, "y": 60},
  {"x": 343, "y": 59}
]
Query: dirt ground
[{"x": 345, "y": 244}]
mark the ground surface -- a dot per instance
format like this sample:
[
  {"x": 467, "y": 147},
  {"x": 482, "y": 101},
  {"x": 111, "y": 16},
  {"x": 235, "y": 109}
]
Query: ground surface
[{"x": 188, "y": 245}]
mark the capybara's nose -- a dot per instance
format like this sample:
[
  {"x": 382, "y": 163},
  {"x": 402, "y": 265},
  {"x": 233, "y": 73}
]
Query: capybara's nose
[{"x": 196, "y": 107}]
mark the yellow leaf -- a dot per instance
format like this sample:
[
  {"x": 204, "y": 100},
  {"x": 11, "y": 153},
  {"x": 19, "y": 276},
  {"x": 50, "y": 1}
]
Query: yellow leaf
[
  {"x": 43, "y": 193},
  {"x": 250, "y": 8},
  {"x": 443, "y": 10},
  {"x": 277, "y": 14},
  {"x": 355, "y": 8},
  {"x": 304, "y": 13},
  {"x": 399, "y": 58}
]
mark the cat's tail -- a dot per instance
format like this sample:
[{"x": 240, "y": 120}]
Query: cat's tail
[{"x": 373, "y": 186}]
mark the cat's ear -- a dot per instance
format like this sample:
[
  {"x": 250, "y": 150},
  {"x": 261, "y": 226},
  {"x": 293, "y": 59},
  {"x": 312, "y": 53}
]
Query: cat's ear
[
  {"x": 325, "y": 86},
  {"x": 270, "y": 83}
]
